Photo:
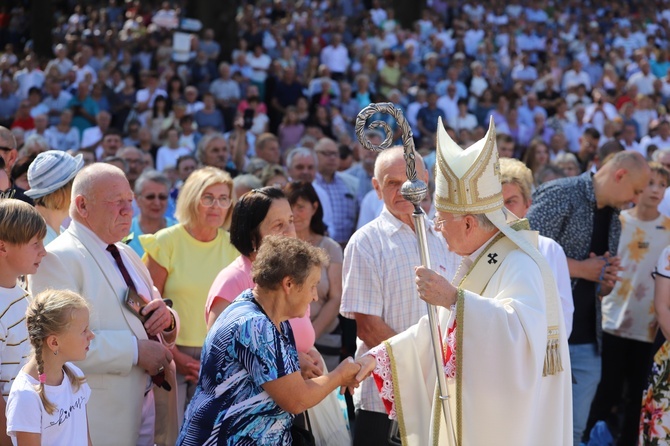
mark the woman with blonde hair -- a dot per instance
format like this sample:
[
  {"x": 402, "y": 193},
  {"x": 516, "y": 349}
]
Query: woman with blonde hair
[
  {"x": 50, "y": 177},
  {"x": 184, "y": 260}
]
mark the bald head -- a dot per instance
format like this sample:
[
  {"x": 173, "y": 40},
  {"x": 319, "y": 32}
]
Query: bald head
[
  {"x": 103, "y": 201},
  {"x": 393, "y": 156},
  {"x": 627, "y": 159},
  {"x": 621, "y": 179},
  {"x": 390, "y": 175},
  {"x": 91, "y": 179}
]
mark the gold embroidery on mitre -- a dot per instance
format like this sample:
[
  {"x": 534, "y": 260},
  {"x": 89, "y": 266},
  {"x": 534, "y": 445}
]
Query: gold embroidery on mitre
[{"x": 479, "y": 189}]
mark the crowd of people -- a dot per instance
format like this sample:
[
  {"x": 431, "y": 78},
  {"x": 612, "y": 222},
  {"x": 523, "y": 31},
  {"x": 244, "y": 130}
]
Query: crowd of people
[{"x": 156, "y": 169}]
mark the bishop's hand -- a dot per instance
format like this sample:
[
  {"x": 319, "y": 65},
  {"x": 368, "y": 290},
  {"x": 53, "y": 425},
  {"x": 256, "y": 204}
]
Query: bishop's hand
[{"x": 433, "y": 288}]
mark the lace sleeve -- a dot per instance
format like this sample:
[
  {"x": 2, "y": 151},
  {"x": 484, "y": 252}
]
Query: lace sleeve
[{"x": 384, "y": 378}]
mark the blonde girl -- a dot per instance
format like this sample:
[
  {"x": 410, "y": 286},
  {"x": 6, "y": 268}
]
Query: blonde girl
[{"x": 47, "y": 402}]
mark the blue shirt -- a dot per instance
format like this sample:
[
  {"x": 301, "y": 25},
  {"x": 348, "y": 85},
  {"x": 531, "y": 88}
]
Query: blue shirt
[
  {"x": 429, "y": 118},
  {"x": 136, "y": 231},
  {"x": 242, "y": 351}
]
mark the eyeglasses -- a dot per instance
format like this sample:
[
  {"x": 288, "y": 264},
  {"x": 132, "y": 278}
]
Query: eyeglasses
[
  {"x": 438, "y": 224},
  {"x": 328, "y": 154},
  {"x": 152, "y": 197},
  {"x": 6, "y": 149},
  {"x": 209, "y": 200},
  {"x": 135, "y": 162}
]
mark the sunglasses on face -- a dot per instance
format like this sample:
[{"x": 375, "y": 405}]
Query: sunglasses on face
[{"x": 152, "y": 197}]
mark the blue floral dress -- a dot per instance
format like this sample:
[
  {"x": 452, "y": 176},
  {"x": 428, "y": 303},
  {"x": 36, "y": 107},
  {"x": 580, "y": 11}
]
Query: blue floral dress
[{"x": 242, "y": 351}]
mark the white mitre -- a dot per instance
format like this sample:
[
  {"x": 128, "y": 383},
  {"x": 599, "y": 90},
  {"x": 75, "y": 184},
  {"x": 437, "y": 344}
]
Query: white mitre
[{"x": 467, "y": 181}]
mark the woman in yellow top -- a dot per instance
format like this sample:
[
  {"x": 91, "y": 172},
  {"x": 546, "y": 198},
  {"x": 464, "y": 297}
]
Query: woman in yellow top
[{"x": 184, "y": 260}]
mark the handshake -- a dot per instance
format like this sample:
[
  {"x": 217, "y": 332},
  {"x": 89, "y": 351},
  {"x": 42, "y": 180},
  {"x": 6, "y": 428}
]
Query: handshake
[{"x": 351, "y": 372}]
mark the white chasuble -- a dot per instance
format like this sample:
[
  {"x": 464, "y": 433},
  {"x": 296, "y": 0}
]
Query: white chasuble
[{"x": 499, "y": 395}]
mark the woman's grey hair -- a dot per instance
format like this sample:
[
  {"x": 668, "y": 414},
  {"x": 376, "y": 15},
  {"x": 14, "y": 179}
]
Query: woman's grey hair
[
  {"x": 153, "y": 176},
  {"x": 307, "y": 141},
  {"x": 300, "y": 151},
  {"x": 36, "y": 141},
  {"x": 566, "y": 157},
  {"x": 204, "y": 142},
  {"x": 656, "y": 156},
  {"x": 247, "y": 181}
]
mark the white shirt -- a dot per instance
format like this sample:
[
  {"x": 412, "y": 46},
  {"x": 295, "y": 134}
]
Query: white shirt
[
  {"x": 259, "y": 65},
  {"x": 145, "y": 95},
  {"x": 658, "y": 141},
  {"x": 90, "y": 136},
  {"x": 192, "y": 108},
  {"x": 63, "y": 141},
  {"x": 378, "y": 280},
  {"x": 335, "y": 58},
  {"x": 468, "y": 122},
  {"x": 572, "y": 79},
  {"x": 14, "y": 343},
  {"x": 644, "y": 83},
  {"x": 83, "y": 71},
  {"x": 166, "y": 157},
  {"x": 664, "y": 206},
  {"x": 371, "y": 207},
  {"x": 67, "y": 425},
  {"x": 634, "y": 146},
  {"x": 558, "y": 263},
  {"x": 448, "y": 105},
  {"x": 64, "y": 66},
  {"x": 28, "y": 79},
  {"x": 58, "y": 103}
]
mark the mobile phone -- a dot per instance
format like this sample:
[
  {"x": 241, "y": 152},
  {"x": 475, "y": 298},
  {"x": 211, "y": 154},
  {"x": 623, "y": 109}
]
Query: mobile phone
[
  {"x": 134, "y": 303},
  {"x": 248, "y": 118}
]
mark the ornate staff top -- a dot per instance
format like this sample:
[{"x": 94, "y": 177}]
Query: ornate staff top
[{"x": 413, "y": 190}]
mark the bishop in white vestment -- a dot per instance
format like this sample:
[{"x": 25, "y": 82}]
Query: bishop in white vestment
[{"x": 505, "y": 350}]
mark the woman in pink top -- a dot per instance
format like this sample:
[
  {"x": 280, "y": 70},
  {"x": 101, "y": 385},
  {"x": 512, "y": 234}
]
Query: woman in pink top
[{"x": 259, "y": 213}]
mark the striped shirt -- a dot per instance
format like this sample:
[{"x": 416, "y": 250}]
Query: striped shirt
[
  {"x": 378, "y": 280},
  {"x": 14, "y": 343}
]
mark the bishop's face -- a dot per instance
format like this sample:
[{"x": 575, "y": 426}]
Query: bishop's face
[{"x": 453, "y": 229}]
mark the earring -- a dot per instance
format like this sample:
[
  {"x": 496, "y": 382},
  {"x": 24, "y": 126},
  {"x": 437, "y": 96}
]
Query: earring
[{"x": 55, "y": 352}]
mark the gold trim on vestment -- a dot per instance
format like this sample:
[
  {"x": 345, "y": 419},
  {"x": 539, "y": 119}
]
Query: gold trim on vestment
[
  {"x": 460, "y": 325},
  {"x": 437, "y": 416},
  {"x": 460, "y": 313},
  {"x": 396, "y": 394}
]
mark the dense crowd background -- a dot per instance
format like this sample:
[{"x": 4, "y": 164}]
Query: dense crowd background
[
  {"x": 566, "y": 85},
  {"x": 545, "y": 74}
]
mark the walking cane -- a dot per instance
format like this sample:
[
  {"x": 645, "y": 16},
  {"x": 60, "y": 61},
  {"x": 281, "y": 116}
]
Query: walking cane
[{"x": 413, "y": 190}]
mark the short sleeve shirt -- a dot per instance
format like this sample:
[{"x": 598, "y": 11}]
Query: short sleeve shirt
[{"x": 243, "y": 351}]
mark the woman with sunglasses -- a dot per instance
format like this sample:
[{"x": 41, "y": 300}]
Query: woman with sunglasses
[
  {"x": 184, "y": 260},
  {"x": 151, "y": 195}
]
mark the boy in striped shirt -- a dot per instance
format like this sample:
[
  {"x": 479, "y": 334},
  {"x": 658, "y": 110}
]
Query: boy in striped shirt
[{"x": 22, "y": 230}]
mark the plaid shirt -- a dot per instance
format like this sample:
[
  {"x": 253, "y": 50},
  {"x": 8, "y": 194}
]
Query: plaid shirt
[
  {"x": 378, "y": 280},
  {"x": 344, "y": 206}
]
